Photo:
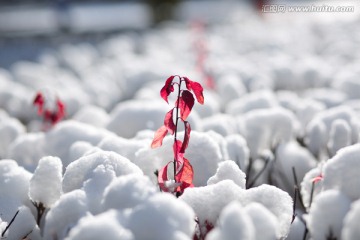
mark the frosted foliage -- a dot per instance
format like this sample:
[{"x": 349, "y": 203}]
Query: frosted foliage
[
  {"x": 351, "y": 230},
  {"x": 228, "y": 170},
  {"x": 102, "y": 226},
  {"x": 14, "y": 181},
  {"x": 45, "y": 184},
  {"x": 128, "y": 191},
  {"x": 291, "y": 155},
  {"x": 319, "y": 128},
  {"x": 324, "y": 219},
  {"x": 307, "y": 185},
  {"x": 234, "y": 224},
  {"x": 264, "y": 221},
  {"x": 340, "y": 136},
  {"x": 78, "y": 171},
  {"x": 217, "y": 196},
  {"x": 64, "y": 214},
  {"x": 23, "y": 225},
  {"x": 277, "y": 202},
  {"x": 238, "y": 150},
  {"x": 163, "y": 216},
  {"x": 204, "y": 162},
  {"x": 264, "y": 129},
  {"x": 345, "y": 161}
]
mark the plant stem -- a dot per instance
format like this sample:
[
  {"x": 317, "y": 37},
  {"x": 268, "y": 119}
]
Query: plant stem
[
  {"x": 11, "y": 222},
  {"x": 176, "y": 125}
]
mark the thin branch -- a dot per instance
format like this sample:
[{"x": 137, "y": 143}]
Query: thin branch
[
  {"x": 267, "y": 160},
  {"x": 297, "y": 187},
  {"x": 11, "y": 222}
]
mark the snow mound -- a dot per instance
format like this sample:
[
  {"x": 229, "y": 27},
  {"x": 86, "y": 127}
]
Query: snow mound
[
  {"x": 238, "y": 150},
  {"x": 228, "y": 170},
  {"x": 102, "y": 226},
  {"x": 23, "y": 226},
  {"x": 351, "y": 230},
  {"x": 324, "y": 220},
  {"x": 162, "y": 217},
  {"x": 234, "y": 224},
  {"x": 45, "y": 184},
  {"x": 342, "y": 172},
  {"x": 92, "y": 115},
  {"x": 128, "y": 191},
  {"x": 65, "y": 214}
]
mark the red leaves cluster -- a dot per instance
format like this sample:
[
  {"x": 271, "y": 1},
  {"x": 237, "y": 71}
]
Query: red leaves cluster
[
  {"x": 51, "y": 116},
  {"x": 183, "y": 106}
]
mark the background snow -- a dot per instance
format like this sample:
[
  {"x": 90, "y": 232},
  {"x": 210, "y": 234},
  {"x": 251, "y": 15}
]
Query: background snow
[{"x": 351, "y": 230}]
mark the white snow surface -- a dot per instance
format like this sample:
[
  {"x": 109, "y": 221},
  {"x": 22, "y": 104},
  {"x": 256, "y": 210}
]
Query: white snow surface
[
  {"x": 351, "y": 229},
  {"x": 46, "y": 182}
]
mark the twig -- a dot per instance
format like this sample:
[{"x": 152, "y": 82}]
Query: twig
[
  {"x": 11, "y": 222},
  {"x": 267, "y": 160}
]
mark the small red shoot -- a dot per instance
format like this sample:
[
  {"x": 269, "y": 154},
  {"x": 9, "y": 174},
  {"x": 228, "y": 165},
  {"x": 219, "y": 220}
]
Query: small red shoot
[{"x": 317, "y": 178}]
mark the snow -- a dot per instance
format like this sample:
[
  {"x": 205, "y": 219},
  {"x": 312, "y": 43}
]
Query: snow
[
  {"x": 325, "y": 220},
  {"x": 351, "y": 229},
  {"x": 46, "y": 183},
  {"x": 341, "y": 172},
  {"x": 234, "y": 223},
  {"x": 276, "y": 105},
  {"x": 65, "y": 214},
  {"x": 165, "y": 215},
  {"x": 98, "y": 227},
  {"x": 127, "y": 192},
  {"x": 228, "y": 170}
]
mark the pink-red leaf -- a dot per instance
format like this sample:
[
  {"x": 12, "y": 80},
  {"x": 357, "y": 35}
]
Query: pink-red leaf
[
  {"x": 317, "y": 178},
  {"x": 159, "y": 136},
  {"x": 198, "y": 91},
  {"x": 179, "y": 157},
  {"x": 186, "y": 103},
  {"x": 163, "y": 177},
  {"x": 185, "y": 176},
  {"x": 167, "y": 88},
  {"x": 196, "y": 88},
  {"x": 39, "y": 101},
  {"x": 169, "y": 121},
  {"x": 186, "y": 137}
]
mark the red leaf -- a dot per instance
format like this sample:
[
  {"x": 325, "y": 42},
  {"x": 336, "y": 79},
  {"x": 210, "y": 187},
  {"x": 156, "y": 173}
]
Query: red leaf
[
  {"x": 167, "y": 88},
  {"x": 198, "y": 91},
  {"x": 169, "y": 121},
  {"x": 185, "y": 104},
  {"x": 39, "y": 101},
  {"x": 186, "y": 137},
  {"x": 196, "y": 88},
  {"x": 159, "y": 136},
  {"x": 162, "y": 178},
  {"x": 185, "y": 176},
  {"x": 179, "y": 157}
]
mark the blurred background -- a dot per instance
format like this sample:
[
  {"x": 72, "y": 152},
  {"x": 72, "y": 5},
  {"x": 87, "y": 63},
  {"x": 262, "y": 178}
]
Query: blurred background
[{"x": 29, "y": 26}]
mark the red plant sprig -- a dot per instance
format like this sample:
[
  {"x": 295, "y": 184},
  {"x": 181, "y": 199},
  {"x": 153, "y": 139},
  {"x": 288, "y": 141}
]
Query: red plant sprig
[
  {"x": 52, "y": 111},
  {"x": 183, "y": 171}
]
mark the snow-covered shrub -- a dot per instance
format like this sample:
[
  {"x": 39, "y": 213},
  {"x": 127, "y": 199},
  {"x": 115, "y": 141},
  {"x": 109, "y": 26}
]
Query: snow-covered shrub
[
  {"x": 10, "y": 129},
  {"x": 94, "y": 172},
  {"x": 128, "y": 191},
  {"x": 351, "y": 230},
  {"x": 64, "y": 214},
  {"x": 342, "y": 172},
  {"x": 319, "y": 131},
  {"x": 175, "y": 217},
  {"x": 92, "y": 115},
  {"x": 325, "y": 220},
  {"x": 228, "y": 170},
  {"x": 46, "y": 183},
  {"x": 263, "y": 129},
  {"x": 238, "y": 150}
]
